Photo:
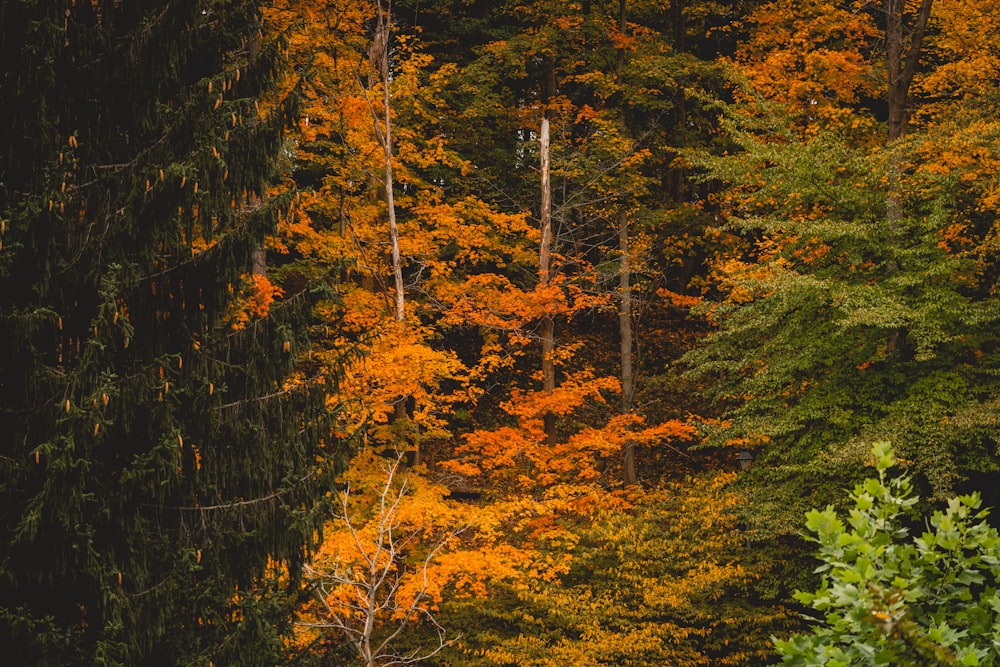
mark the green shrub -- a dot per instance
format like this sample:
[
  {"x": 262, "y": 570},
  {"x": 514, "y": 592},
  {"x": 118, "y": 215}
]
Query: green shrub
[{"x": 889, "y": 598}]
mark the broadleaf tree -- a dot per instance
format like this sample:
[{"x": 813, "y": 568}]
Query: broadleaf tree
[
  {"x": 890, "y": 597},
  {"x": 865, "y": 306}
]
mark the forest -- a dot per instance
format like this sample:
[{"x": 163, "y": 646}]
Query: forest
[{"x": 471, "y": 333}]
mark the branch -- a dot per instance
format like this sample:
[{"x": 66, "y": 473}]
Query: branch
[
  {"x": 237, "y": 503},
  {"x": 377, "y": 590}
]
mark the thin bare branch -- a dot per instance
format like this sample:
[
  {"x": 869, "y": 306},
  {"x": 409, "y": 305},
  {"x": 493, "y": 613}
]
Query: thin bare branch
[{"x": 364, "y": 604}]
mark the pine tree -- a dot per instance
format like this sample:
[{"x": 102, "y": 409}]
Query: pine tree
[{"x": 157, "y": 464}]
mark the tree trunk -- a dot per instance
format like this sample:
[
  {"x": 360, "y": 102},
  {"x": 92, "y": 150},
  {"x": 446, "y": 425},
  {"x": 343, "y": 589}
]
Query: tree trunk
[
  {"x": 544, "y": 268},
  {"x": 625, "y": 331},
  {"x": 379, "y": 58},
  {"x": 545, "y": 246},
  {"x": 902, "y": 56},
  {"x": 677, "y": 24},
  {"x": 397, "y": 266},
  {"x": 902, "y": 53},
  {"x": 625, "y": 290},
  {"x": 258, "y": 261}
]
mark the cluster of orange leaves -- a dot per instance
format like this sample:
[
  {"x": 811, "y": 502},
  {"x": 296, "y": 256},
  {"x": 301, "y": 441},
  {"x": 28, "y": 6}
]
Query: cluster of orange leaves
[
  {"x": 404, "y": 390},
  {"x": 254, "y": 301}
]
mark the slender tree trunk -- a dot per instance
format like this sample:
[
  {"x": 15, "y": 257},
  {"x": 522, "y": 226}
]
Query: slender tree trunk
[
  {"x": 379, "y": 57},
  {"x": 545, "y": 246},
  {"x": 625, "y": 331},
  {"x": 677, "y": 24},
  {"x": 625, "y": 292},
  {"x": 397, "y": 266},
  {"x": 544, "y": 268}
]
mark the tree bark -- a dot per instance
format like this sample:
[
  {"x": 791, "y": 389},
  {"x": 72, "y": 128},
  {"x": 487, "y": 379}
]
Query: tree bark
[
  {"x": 397, "y": 265},
  {"x": 902, "y": 53},
  {"x": 547, "y": 333},
  {"x": 625, "y": 331},
  {"x": 379, "y": 57},
  {"x": 902, "y": 56},
  {"x": 677, "y": 24},
  {"x": 258, "y": 261},
  {"x": 625, "y": 289}
]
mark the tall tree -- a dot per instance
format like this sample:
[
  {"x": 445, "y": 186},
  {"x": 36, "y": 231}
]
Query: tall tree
[
  {"x": 852, "y": 321},
  {"x": 156, "y": 461},
  {"x": 625, "y": 285},
  {"x": 380, "y": 57}
]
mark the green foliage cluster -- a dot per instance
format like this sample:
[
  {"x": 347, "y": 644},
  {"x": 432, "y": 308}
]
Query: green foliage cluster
[
  {"x": 156, "y": 471},
  {"x": 850, "y": 320},
  {"x": 889, "y": 597}
]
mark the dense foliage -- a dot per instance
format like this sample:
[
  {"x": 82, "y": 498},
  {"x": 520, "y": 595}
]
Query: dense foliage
[
  {"x": 155, "y": 463},
  {"x": 888, "y": 597},
  {"x": 585, "y": 256}
]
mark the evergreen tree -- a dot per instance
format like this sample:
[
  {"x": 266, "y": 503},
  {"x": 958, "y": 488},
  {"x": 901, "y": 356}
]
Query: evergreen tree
[{"x": 157, "y": 463}]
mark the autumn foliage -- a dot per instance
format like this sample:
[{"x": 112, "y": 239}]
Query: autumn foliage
[{"x": 547, "y": 273}]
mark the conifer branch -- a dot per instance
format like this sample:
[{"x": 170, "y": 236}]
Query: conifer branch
[{"x": 240, "y": 503}]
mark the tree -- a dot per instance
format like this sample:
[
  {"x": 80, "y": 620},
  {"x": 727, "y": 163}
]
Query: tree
[
  {"x": 158, "y": 464},
  {"x": 846, "y": 320},
  {"x": 614, "y": 578},
  {"x": 890, "y": 598},
  {"x": 380, "y": 56},
  {"x": 372, "y": 579}
]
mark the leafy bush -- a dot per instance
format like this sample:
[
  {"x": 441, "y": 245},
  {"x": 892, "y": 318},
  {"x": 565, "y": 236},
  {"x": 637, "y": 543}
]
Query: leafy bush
[{"x": 888, "y": 598}]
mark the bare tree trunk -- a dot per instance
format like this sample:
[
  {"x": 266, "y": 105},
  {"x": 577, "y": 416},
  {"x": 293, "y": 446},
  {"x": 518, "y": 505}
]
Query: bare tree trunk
[
  {"x": 379, "y": 57},
  {"x": 397, "y": 266},
  {"x": 544, "y": 268},
  {"x": 625, "y": 331},
  {"x": 625, "y": 291}
]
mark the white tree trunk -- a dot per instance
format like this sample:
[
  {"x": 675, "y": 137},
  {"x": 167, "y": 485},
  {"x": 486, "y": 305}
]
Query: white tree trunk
[
  {"x": 379, "y": 58},
  {"x": 547, "y": 333}
]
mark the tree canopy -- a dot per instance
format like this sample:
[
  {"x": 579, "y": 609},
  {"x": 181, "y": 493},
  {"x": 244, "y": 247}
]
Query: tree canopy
[
  {"x": 568, "y": 264},
  {"x": 158, "y": 456}
]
